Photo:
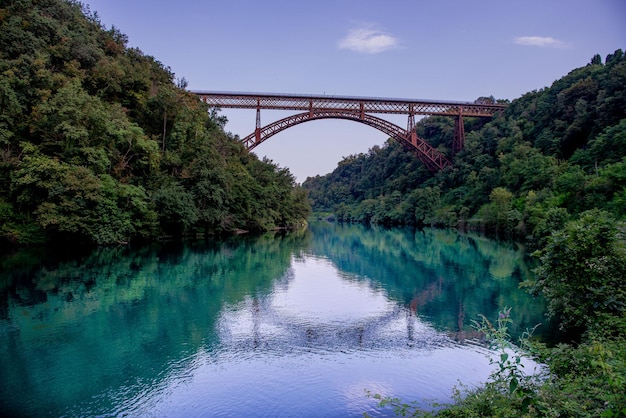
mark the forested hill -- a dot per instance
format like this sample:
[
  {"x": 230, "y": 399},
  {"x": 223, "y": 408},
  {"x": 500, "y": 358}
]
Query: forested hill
[
  {"x": 100, "y": 144},
  {"x": 550, "y": 170},
  {"x": 551, "y": 155}
]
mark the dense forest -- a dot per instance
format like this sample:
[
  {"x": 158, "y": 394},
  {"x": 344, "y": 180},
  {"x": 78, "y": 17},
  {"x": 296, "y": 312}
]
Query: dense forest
[
  {"x": 549, "y": 171},
  {"x": 553, "y": 154},
  {"x": 100, "y": 144}
]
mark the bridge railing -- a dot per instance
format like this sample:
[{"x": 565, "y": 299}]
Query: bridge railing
[{"x": 370, "y": 105}]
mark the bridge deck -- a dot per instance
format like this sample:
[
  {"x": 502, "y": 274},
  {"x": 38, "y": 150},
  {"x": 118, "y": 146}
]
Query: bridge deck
[{"x": 346, "y": 103}]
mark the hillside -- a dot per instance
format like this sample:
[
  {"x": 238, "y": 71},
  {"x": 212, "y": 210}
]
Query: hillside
[
  {"x": 551, "y": 155},
  {"x": 550, "y": 171},
  {"x": 100, "y": 143}
]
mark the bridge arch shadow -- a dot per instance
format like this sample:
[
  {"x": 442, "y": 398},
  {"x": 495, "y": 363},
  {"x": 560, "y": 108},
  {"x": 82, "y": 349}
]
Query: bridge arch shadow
[{"x": 432, "y": 158}]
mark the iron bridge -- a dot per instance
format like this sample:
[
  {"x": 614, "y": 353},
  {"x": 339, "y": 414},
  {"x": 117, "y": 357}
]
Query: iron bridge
[{"x": 358, "y": 109}]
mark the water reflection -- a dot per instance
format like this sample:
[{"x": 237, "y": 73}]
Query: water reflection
[
  {"x": 442, "y": 275},
  {"x": 317, "y": 308},
  {"x": 278, "y": 325}
]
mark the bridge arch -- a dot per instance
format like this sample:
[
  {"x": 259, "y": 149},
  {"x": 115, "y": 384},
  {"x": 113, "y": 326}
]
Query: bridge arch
[
  {"x": 432, "y": 158},
  {"x": 358, "y": 109}
]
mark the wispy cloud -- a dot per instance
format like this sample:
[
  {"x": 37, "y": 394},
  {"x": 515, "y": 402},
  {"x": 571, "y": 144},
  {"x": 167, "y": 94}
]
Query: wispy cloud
[
  {"x": 540, "y": 41},
  {"x": 368, "y": 40}
]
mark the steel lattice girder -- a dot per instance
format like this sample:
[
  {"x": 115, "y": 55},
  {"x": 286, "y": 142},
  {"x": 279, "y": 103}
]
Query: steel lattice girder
[
  {"x": 358, "y": 109},
  {"x": 356, "y": 104}
]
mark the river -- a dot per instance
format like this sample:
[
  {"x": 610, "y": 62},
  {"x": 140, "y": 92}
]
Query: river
[{"x": 281, "y": 325}]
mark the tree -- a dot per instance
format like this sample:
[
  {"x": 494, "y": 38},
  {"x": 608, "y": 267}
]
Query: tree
[
  {"x": 427, "y": 200},
  {"x": 100, "y": 144},
  {"x": 499, "y": 215},
  {"x": 597, "y": 59},
  {"x": 583, "y": 270}
]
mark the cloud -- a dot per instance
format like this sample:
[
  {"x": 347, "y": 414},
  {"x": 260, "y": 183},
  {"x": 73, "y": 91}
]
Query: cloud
[
  {"x": 540, "y": 41},
  {"x": 368, "y": 41}
]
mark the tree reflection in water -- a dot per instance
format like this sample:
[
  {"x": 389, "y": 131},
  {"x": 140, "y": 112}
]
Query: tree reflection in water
[{"x": 129, "y": 320}]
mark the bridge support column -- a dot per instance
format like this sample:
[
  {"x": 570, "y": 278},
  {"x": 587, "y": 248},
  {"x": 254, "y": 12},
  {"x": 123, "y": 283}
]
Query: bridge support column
[
  {"x": 410, "y": 126},
  {"x": 257, "y": 130},
  {"x": 459, "y": 134}
]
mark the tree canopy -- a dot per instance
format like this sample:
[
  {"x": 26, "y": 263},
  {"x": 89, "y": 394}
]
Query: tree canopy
[
  {"x": 100, "y": 144},
  {"x": 559, "y": 150}
]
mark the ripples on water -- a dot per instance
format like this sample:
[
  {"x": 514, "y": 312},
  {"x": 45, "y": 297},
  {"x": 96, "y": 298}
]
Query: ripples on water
[{"x": 211, "y": 339}]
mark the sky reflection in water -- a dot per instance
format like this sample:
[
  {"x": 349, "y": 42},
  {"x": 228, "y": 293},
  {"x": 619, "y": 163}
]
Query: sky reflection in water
[{"x": 290, "y": 325}]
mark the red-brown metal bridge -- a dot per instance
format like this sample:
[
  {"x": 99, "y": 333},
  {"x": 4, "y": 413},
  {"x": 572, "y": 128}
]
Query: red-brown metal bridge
[{"x": 358, "y": 109}]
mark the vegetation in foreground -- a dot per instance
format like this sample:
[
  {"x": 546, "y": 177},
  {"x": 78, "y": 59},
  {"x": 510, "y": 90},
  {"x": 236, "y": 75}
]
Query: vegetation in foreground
[
  {"x": 100, "y": 145},
  {"x": 582, "y": 274}
]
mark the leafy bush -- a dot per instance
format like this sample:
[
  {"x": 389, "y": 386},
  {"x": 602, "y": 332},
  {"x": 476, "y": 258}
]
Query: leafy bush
[{"x": 583, "y": 270}]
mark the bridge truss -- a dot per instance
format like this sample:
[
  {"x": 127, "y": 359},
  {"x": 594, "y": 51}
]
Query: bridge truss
[{"x": 358, "y": 109}]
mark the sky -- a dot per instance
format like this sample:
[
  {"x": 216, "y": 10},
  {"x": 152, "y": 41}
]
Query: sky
[{"x": 454, "y": 50}]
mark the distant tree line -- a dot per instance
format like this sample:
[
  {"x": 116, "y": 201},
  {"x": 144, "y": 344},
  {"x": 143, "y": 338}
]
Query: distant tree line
[{"x": 100, "y": 144}]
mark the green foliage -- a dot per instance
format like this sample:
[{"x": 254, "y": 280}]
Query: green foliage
[
  {"x": 608, "y": 147},
  {"x": 590, "y": 379},
  {"x": 176, "y": 208},
  {"x": 499, "y": 213},
  {"x": 586, "y": 380},
  {"x": 525, "y": 168},
  {"x": 583, "y": 381},
  {"x": 509, "y": 392},
  {"x": 17, "y": 228},
  {"x": 427, "y": 201},
  {"x": 98, "y": 144},
  {"x": 509, "y": 377},
  {"x": 559, "y": 150},
  {"x": 583, "y": 270},
  {"x": 70, "y": 199}
]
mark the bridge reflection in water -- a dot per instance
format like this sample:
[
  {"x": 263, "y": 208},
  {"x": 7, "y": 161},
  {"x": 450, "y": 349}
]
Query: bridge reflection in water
[
  {"x": 315, "y": 307},
  {"x": 285, "y": 324},
  {"x": 358, "y": 109}
]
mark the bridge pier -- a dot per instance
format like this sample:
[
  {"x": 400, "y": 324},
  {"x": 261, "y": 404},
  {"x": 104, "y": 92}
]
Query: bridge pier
[
  {"x": 257, "y": 130},
  {"x": 459, "y": 135},
  {"x": 410, "y": 126}
]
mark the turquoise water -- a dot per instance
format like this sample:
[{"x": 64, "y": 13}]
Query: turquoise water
[{"x": 295, "y": 324}]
